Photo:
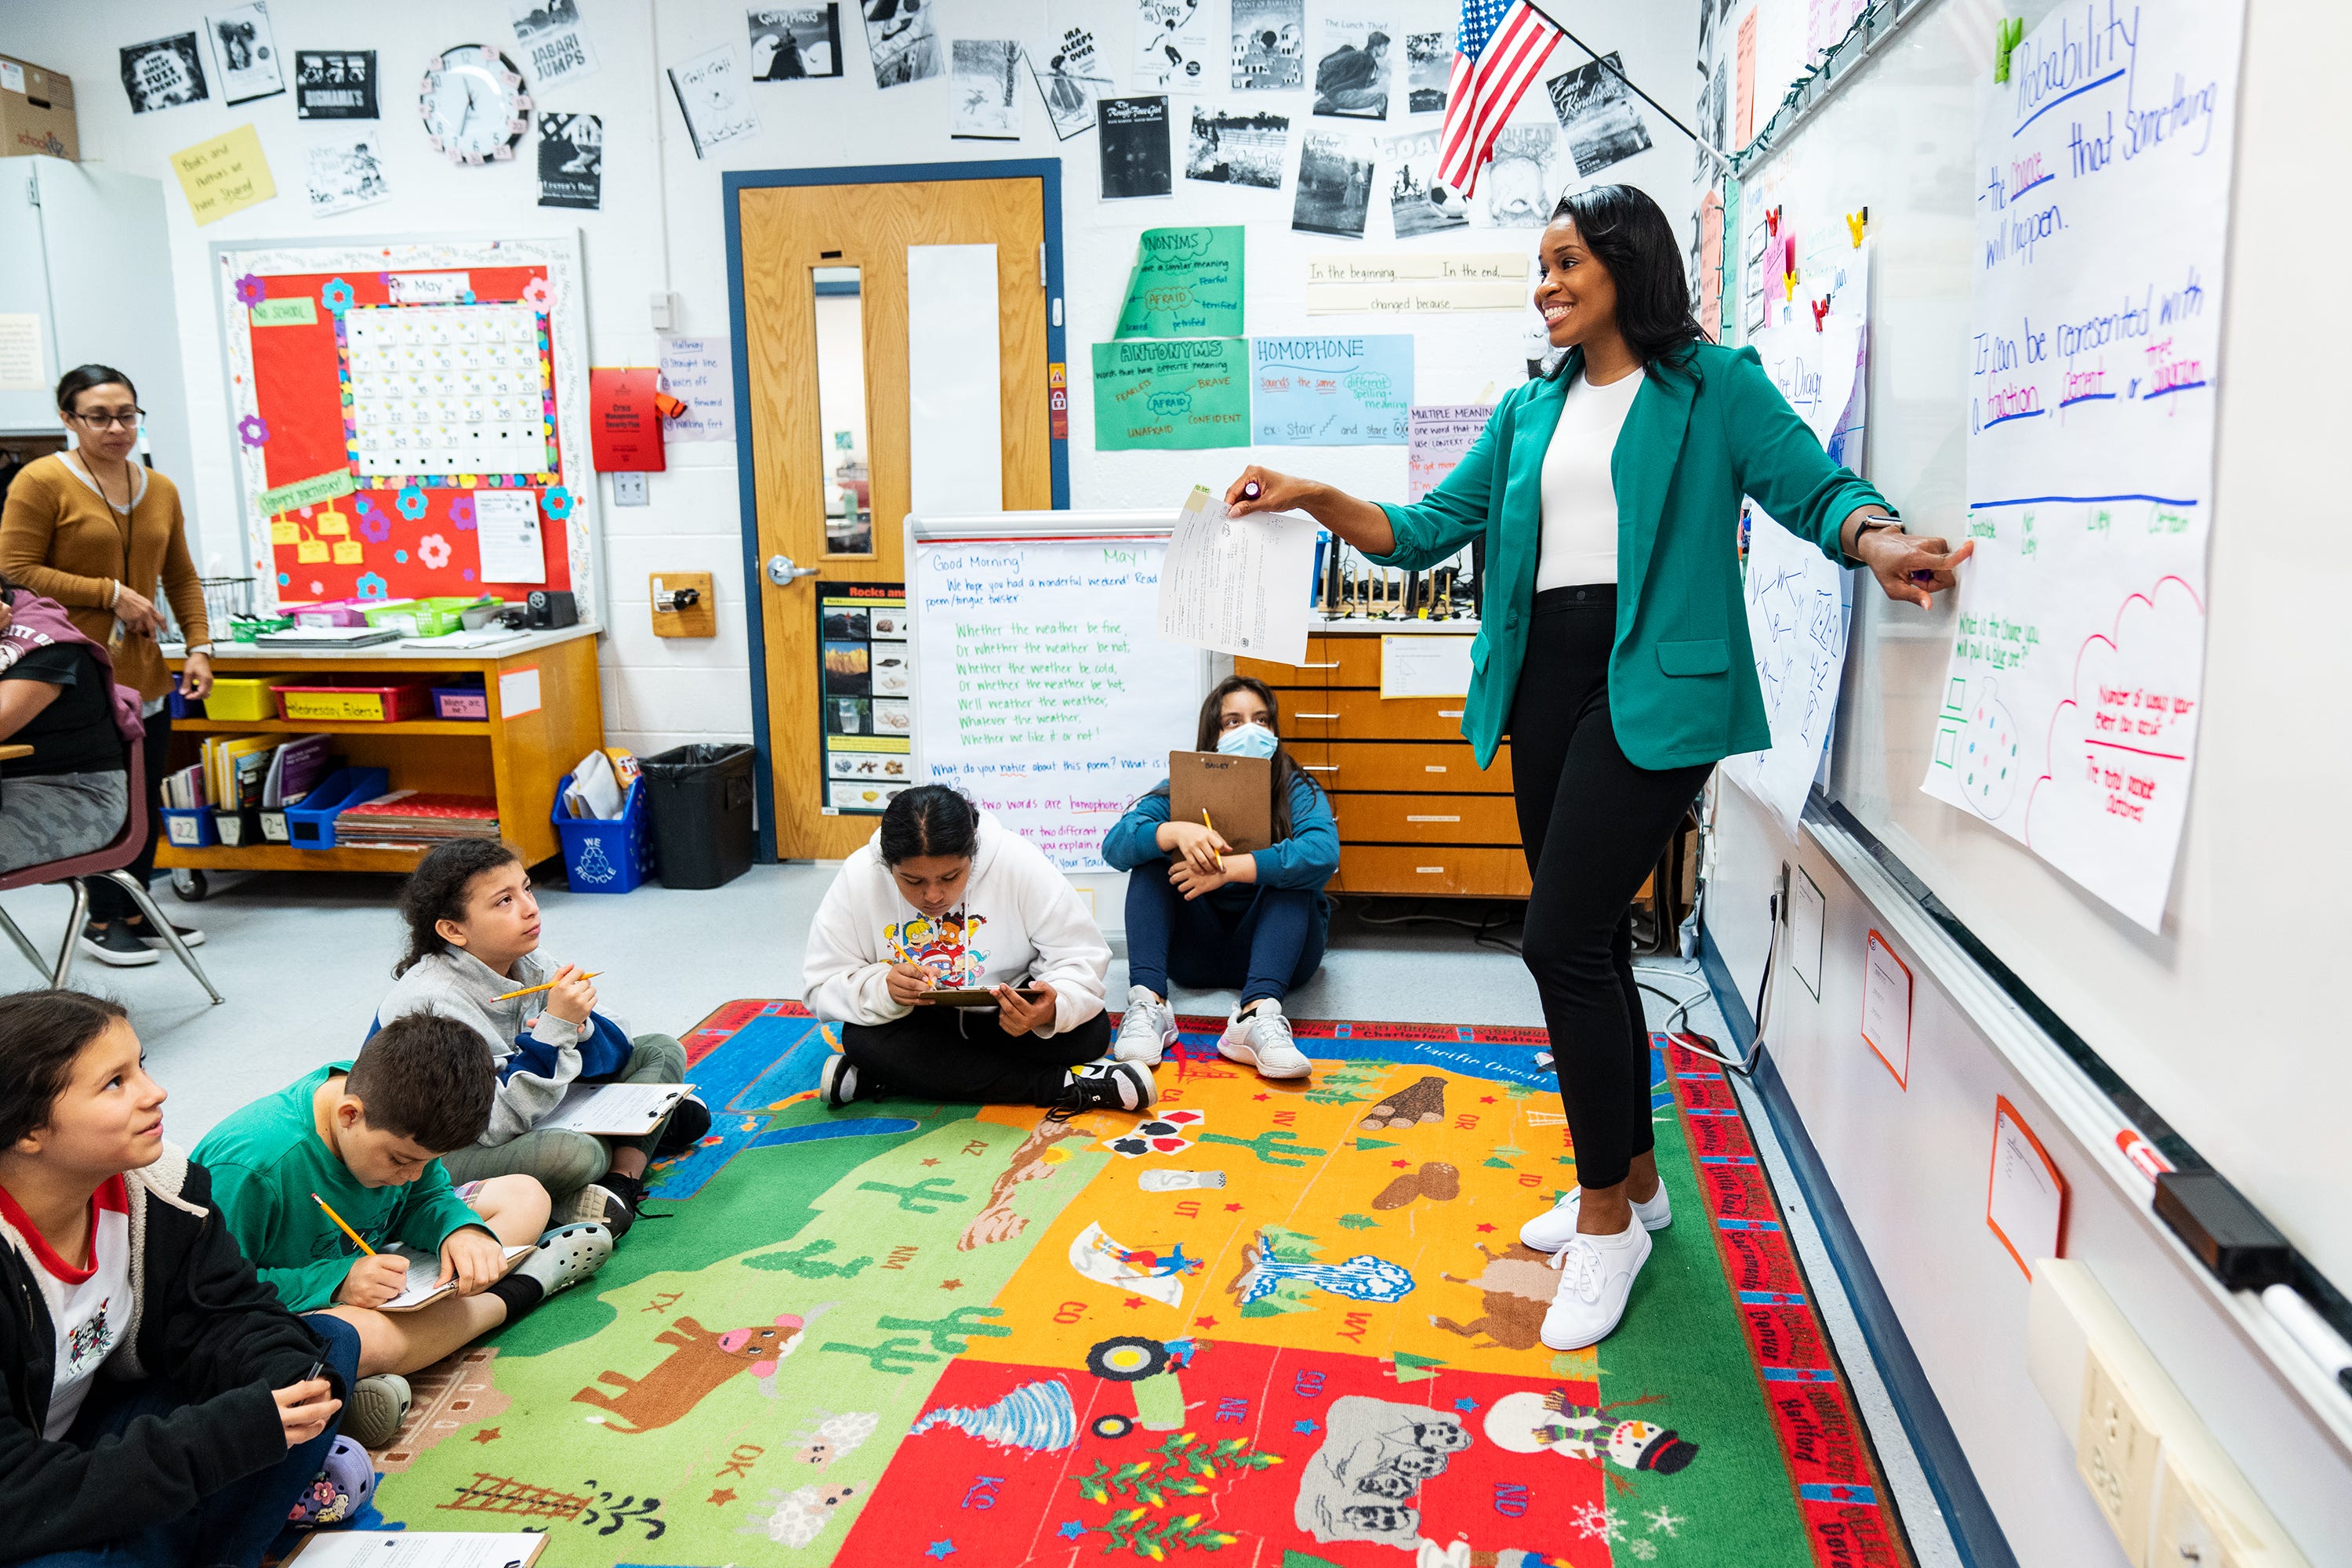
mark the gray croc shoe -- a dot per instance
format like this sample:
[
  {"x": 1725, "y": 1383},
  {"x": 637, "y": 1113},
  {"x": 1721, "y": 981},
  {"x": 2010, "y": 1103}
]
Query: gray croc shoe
[
  {"x": 568, "y": 1255},
  {"x": 378, "y": 1406}
]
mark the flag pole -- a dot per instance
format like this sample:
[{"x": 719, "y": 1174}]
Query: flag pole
[{"x": 1709, "y": 148}]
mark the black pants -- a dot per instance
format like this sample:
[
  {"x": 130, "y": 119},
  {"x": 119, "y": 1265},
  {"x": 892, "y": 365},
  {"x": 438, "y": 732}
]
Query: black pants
[
  {"x": 1592, "y": 825},
  {"x": 107, "y": 901},
  {"x": 964, "y": 1054}
]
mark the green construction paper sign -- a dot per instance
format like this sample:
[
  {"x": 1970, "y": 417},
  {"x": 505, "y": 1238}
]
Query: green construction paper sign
[
  {"x": 1187, "y": 283},
  {"x": 305, "y": 492},
  {"x": 299, "y": 312},
  {"x": 1189, "y": 391}
]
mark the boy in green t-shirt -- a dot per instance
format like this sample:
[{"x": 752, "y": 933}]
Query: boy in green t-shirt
[{"x": 363, "y": 1138}]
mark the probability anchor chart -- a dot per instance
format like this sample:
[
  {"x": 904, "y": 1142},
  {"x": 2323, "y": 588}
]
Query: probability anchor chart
[{"x": 2071, "y": 705}]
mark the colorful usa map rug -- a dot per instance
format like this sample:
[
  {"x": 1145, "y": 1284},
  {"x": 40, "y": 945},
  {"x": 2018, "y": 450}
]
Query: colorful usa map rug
[{"x": 1283, "y": 1325}]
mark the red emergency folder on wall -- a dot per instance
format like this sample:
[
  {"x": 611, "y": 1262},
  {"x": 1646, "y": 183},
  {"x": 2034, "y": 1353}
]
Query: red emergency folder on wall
[{"x": 624, "y": 427}]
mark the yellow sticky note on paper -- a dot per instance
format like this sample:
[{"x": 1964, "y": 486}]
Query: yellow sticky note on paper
[
  {"x": 224, "y": 175},
  {"x": 283, "y": 532},
  {"x": 331, "y": 524},
  {"x": 349, "y": 552},
  {"x": 311, "y": 552}
]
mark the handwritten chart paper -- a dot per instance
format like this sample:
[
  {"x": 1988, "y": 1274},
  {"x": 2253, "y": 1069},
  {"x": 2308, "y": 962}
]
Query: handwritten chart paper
[
  {"x": 1331, "y": 392},
  {"x": 1886, "y": 1007},
  {"x": 1237, "y": 585},
  {"x": 1430, "y": 283},
  {"x": 225, "y": 174},
  {"x": 1044, "y": 691},
  {"x": 1191, "y": 392},
  {"x": 1187, "y": 283},
  {"x": 2071, "y": 705},
  {"x": 1436, "y": 435},
  {"x": 698, "y": 372},
  {"x": 2025, "y": 1200}
]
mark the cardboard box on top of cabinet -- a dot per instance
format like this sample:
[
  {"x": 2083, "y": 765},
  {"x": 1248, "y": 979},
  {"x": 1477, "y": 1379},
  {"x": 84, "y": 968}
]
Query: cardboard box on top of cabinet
[{"x": 37, "y": 111}]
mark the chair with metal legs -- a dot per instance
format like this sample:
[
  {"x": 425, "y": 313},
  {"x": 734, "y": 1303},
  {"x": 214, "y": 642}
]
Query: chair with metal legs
[{"x": 108, "y": 862}]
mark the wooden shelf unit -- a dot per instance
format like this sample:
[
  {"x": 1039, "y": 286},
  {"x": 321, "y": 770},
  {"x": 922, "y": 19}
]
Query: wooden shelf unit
[
  {"x": 1417, "y": 815},
  {"x": 515, "y": 759}
]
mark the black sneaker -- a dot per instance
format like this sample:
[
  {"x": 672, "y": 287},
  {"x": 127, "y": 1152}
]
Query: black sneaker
[
  {"x": 115, "y": 942},
  {"x": 839, "y": 1082},
  {"x": 189, "y": 936},
  {"x": 1113, "y": 1085},
  {"x": 689, "y": 1124}
]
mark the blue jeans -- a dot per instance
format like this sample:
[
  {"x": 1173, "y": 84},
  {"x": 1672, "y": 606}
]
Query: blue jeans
[
  {"x": 230, "y": 1528},
  {"x": 1260, "y": 939}
]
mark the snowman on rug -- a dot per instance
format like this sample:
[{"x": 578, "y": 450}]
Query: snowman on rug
[{"x": 1527, "y": 1423}]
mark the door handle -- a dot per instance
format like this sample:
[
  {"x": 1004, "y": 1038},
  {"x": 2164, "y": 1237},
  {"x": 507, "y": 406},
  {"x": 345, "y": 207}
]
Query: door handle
[{"x": 781, "y": 571}]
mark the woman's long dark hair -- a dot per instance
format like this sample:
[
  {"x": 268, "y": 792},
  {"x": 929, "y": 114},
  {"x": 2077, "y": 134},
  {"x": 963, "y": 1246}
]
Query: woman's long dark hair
[
  {"x": 1286, "y": 771},
  {"x": 1628, "y": 235}
]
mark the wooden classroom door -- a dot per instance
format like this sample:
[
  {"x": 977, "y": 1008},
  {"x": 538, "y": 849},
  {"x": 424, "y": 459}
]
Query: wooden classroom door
[{"x": 806, "y": 244}]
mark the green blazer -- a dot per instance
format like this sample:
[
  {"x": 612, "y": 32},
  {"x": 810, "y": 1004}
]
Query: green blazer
[{"x": 1682, "y": 675}]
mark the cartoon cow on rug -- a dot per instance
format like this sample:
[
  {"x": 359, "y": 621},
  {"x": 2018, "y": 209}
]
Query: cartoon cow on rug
[
  {"x": 1516, "y": 1288},
  {"x": 699, "y": 1363}
]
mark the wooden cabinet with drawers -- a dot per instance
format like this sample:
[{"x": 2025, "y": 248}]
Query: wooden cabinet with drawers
[{"x": 1416, "y": 813}]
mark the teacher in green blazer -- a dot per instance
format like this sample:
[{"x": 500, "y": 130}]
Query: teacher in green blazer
[{"x": 1613, "y": 651}]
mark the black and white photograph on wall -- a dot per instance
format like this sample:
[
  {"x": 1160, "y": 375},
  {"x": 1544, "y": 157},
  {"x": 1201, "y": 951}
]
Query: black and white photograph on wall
[
  {"x": 1335, "y": 185},
  {"x": 1070, "y": 79},
  {"x": 246, "y": 53},
  {"x": 572, "y": 161},
  {"x": 1269, "y": 44},
  {"x": 334, "y": 84},
  {"x": 1172, "y": 52},
  {"x": 1524, "y": 183},
  {"x": 1234, "y": 148},
  {"x": 344, "y": 172},
  {"x": 1419, "y": 202},
  {"x": 1428, "y": 72},
  {"x": 794, "y": 43},
  {"x": 981, "y": 78},
  {"x": 554, "y": 45},
  {"x": 1714, "y": 95},
  {"x": 905, "y": 44},
  {"x": 1353, "y": 69},
  {"x": 714, "y": 98},
  {"x": 164, "y": 73},
  {"x": 1596, "y": 115},
  {"x": 1136, "y": 159}
]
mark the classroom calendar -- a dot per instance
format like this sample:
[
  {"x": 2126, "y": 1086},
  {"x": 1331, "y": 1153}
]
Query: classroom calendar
[{"x": 456, "y": 389}]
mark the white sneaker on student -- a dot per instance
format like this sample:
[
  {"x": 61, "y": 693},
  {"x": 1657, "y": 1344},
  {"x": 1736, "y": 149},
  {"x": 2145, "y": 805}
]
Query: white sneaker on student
[
  {"x": 567, "y": 1254},
  {"x": 1147, "y": 1030},
  {"x": 1556, "y": 1226},
  {"x": 1262, "y": 1040},
  {"x": 1596, "y": 1276}
]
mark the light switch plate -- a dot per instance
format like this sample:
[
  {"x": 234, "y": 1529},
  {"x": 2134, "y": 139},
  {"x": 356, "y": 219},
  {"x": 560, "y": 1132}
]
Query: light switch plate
[{"x": 629, "y": 490}]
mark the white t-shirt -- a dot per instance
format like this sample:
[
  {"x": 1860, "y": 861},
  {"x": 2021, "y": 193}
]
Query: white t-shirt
[
  {"x": 87, "y": 1306},
  {"x": 1580, "y": 500}
]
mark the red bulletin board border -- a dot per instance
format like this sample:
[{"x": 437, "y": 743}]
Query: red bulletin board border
[{"x": 338, "y": 532}]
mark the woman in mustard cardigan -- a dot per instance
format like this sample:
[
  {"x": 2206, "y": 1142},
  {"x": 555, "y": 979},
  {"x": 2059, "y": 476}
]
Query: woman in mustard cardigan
[
  {"x": 1613, "y": 651},
  {"x": 94, "y": 529}
]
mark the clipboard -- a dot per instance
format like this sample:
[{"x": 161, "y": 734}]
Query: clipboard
[
  {"x": 423, "y": 1274},
  {"x": 974, "y": 998},
  {"x": 1236, "y": 792}
]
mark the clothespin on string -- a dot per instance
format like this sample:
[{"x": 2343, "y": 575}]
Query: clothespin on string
[
  {"x": 2008, "y": 33},
  {"x": 1855, "y": 223},
  {"x": 1821, "y": 311}
]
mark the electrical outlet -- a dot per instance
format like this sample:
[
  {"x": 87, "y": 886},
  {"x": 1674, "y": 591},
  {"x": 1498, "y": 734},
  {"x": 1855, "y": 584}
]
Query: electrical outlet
[
  {"x": 2187, "y": 1535},
  {"x": 2115, "y": 1452}
]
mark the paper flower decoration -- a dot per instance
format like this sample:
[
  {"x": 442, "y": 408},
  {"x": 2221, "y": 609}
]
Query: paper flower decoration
[
  {"x": 412, "y": 503},
  {"x": 539, "y": 292},
  {"x": 557, "y": 501},
  {"x": 317, "y": 587},
  {"x": 371, "y": 586},
  {"x": 469, "y": 573},
  {"x": 434, "y": 551},
  {"x": 366, "y": 506},
  {"x": 336, "y": 295},
  {"x": 374, "y": 527},
  {"x": 461, "y": 513},
  {"x": 248, "y": 290},
  {"x": 466, "y": 296},
  {"x": 253, "y": 430}
]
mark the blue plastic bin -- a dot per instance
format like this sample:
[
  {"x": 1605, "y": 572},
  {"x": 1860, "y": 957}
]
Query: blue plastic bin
[
  {"x": 606, "y": 855},
  {"x": 189, "y": 829},
  {"x": 311, "y": 825}
]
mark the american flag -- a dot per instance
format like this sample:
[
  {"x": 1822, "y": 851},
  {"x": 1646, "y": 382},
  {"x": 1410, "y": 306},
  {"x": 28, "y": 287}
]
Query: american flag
[{"x": 1499, "y": 48}]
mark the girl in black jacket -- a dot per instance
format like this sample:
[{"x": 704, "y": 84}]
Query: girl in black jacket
[{"x": 177, "y": 1410}]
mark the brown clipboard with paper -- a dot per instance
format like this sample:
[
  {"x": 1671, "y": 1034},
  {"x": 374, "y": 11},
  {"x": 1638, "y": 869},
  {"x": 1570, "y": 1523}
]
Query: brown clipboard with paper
[{"x": 1236, "y": 792}]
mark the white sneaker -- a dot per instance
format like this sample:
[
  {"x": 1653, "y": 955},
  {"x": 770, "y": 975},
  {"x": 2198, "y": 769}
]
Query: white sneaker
[
  {"x": 1596, "y": 1276},
  {"x": 1556, "y": 1226},
  {"x": 1262, "y": 1040},
  {"x": 568, "y": 1255},
  {"x": 1147, "y": 1029}
]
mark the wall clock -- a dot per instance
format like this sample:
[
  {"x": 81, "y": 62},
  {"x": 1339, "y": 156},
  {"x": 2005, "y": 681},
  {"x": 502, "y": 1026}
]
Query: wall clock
[{"x": 473, "y": 104}]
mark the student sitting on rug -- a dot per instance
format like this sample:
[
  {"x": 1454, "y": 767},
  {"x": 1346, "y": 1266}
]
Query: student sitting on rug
[
  {"x": 1213, "y": 919},
  {"x": 473, "y": 941},
  {"x": 361, "y": 1138},
  {"x": 208, "y": 1424},
  {"x": 945, "y": 898}
]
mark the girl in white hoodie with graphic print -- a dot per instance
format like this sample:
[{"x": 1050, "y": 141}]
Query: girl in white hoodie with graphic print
[{"x": 943, "y": 898}]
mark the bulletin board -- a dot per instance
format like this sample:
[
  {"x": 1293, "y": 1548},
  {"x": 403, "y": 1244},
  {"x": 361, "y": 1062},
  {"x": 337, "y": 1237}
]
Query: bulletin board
[{"x": 409, "y": 419}]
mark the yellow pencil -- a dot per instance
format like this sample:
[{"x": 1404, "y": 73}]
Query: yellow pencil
[
  {"x": 535, "y": 990},
  {"x": 1212, "y": 828},
  {"x": 356, "y": 1239}
]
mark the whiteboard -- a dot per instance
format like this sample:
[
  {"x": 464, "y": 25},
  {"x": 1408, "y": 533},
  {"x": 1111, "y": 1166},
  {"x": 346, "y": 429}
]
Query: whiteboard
[
  {"x": 1043, "y": 689},
  {"x": 2207, "y": 1018}
]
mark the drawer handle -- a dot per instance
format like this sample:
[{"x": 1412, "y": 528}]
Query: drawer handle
[
  {"x": 1315, "y": 715},
  {"x": 1432, "y": 767},
  {"x": 1432, "y": 819},
  {"x": 1310, "y": 768},
  {"x": 1430, "y": 871},
  {"x": 1449, "y": 712}
]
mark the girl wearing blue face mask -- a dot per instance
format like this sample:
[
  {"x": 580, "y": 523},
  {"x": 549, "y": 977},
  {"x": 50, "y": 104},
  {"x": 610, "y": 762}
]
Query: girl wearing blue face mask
[{"x": 1215, "y": 918}]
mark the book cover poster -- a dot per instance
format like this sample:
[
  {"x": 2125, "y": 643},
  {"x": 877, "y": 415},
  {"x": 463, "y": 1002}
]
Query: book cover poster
[
  {"x": 981, "y": 88},
  {"x": 1353, "y": 71},
  {"x": 164, "y": 73},
  {"x": 1269, "y": 44},
  {"x": 795, "y": 43},
  {"x": 1335, "y": 185},
  {"x": 1234, "y": 149},
  {"x": 903, "y": 42},
  {"x": 712, "y": 96},
  {"x": 1135, "y": 158},
  {"x": 1172, "y": 51},
  {"x": 246, "y": 53},
  {"x": 1069, "y": 77},
  {"x": 1596, "y": 115},
  {"x": 1419, "y": 202},
  {"x": 572, "y": 161},
  {"x": 334, "y": 84},
  {"x": 344, "y": 172},
  {"x": 555, "y": 47}
]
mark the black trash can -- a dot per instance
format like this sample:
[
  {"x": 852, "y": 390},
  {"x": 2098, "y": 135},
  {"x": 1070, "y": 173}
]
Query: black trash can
[{"x": 701, "y": 801}]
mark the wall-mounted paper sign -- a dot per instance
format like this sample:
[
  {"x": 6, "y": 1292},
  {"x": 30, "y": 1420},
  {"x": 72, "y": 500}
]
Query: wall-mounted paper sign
[
  {"x": 2025, "y": 1200},
  {"x": 224, "y": 175},
  {"x": 625, "y": 434},
  {"x": 506, "y": 527},
  {"x": 1886, "y": 1007}
]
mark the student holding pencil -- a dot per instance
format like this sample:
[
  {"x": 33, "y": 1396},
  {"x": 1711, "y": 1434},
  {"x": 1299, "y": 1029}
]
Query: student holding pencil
[
  {"x": 1215, "y": 920},
  {"x": 1613, "y": 652}
]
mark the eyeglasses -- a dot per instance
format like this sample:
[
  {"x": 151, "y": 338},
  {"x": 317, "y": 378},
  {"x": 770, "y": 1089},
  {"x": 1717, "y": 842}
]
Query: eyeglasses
[{"x": 129, "y": 419}]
